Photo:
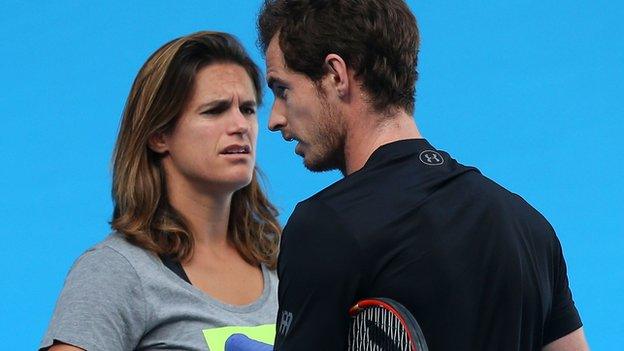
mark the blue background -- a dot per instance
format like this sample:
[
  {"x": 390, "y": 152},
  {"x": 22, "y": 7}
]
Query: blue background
[{"x": 531, "y": 92}]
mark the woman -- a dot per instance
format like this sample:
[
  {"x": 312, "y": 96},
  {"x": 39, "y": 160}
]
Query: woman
[{"x": 195, "y": 239}]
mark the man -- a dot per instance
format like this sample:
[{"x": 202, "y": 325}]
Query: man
[{"x": 478, "y": 267}]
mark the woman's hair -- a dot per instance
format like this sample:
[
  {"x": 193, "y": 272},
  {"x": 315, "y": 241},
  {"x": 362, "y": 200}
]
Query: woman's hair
[{"x": 158, "y": 96}]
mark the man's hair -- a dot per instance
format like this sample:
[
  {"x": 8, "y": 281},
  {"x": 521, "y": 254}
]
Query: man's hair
[
  {"x": 160, "y": 92},
  {"x": 378, "y": 39}
]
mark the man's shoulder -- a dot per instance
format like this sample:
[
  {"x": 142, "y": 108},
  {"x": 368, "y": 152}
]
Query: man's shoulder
[
  {"x": 314, "y": 221},
  {"x": 489, "y": 191},
  {"x": 504, "y": 208},
  {"x": 312, "y": 210}
]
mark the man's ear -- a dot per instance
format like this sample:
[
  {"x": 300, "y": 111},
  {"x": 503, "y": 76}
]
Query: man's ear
[
  {"x": 338, "y": 74},
  {"x": 157, "y": 142}
]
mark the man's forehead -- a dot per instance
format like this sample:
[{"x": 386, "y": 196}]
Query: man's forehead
[
  {"x": 274, "y": 55},
  {"x": 276, "y": 69}
]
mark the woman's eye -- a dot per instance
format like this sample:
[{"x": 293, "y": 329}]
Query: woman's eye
[
  {"x": 248, "y": 110},
  {"x": 213, "y": 111}
]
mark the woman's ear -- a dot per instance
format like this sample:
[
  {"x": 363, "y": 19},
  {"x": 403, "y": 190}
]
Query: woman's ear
[{"x": 157, "y": 142}]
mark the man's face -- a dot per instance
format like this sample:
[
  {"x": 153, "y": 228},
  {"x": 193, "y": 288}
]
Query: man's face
[{"x": 303, "y": 114}]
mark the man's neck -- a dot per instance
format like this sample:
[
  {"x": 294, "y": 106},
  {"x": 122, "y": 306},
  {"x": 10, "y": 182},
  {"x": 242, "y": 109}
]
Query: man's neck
[{"x": 368, "y": 131}]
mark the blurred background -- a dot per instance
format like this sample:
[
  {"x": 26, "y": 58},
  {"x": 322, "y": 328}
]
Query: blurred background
[{"x": 530, "y": 92}]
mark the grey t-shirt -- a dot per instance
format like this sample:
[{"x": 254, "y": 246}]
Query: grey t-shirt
[{"x": 118, "y": 296}]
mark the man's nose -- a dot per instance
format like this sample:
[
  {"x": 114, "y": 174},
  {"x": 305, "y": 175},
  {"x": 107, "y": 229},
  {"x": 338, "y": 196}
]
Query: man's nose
[{"x": 277, "y": 120}]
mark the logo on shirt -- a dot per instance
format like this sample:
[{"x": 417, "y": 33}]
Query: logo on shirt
[
  {"x": 285, "y": 320},
  {"x": 431, "y": 158},
  {"x": 216, "y": 338}
]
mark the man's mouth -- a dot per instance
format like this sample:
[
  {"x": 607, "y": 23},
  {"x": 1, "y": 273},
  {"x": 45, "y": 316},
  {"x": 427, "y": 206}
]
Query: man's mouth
[
  {"x": 299, "y": 149},
  {"x": 289, "y": 138}
]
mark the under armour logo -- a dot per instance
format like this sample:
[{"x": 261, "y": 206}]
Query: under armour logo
[
  {"x": 285, "y": 320},
  {"x": 431, "y": 158}
]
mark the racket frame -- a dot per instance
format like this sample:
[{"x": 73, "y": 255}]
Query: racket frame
[{"x": 406, "y": 319}]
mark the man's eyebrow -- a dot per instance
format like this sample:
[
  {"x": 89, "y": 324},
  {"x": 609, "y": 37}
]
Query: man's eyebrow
[{"x": 271, "y": 81}]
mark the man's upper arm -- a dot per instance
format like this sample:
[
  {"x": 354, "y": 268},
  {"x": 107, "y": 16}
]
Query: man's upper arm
[
  {"x": 320, "y": 271},
  {"x": 574, "y": 341},
  {"x": 563, "y": 328}
]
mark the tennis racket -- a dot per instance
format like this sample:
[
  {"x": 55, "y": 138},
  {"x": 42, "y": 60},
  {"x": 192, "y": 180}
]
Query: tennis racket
[{"x": 380, "y": 324}]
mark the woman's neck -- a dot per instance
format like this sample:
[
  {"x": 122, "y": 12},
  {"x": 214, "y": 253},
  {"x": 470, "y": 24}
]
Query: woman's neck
[{"x": 207, "y": 213}]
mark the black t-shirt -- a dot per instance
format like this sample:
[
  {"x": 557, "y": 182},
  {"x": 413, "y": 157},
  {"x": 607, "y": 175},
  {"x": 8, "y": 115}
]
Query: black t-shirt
[{"x": 478, "y": 267}]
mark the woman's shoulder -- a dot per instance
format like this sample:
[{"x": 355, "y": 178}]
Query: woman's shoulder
[
  {"x": 104, "y": 288},
  {"x": 270, "y": 273},
  {"x": 273, "y": 281},
  {"x": 110, "y": 271},
  {"x": 108, "y": 257},
  {"x": 115, "y": 247},
  {"x": 113, "y": 258}
]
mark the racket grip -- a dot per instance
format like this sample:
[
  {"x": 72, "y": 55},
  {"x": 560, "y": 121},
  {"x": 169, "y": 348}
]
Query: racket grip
[{"x": 240, "y": 342}]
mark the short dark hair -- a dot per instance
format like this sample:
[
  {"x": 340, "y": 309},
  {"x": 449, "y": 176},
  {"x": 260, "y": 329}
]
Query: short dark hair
[{"x": 377, "y": 38}]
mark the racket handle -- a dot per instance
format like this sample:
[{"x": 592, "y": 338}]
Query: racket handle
[{"x": 240, "y": 342}]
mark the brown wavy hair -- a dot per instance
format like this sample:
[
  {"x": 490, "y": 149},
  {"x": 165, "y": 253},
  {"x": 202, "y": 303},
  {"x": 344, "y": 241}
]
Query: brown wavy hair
[{"x": 142, "y": 212}]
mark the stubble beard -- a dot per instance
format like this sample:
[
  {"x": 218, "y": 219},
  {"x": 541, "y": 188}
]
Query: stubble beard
[{"x": 328, "y": 142}]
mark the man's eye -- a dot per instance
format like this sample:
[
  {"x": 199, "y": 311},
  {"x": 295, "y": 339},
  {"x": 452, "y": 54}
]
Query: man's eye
[{"x": 280, "y": 92}]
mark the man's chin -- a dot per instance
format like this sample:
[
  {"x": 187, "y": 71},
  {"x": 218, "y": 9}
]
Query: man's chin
[{"x": 320, "y": 165}]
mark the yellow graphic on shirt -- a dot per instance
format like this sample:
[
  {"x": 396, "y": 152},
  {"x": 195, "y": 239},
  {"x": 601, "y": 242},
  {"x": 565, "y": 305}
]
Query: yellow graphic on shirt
[{"x": 215, "y": 338}]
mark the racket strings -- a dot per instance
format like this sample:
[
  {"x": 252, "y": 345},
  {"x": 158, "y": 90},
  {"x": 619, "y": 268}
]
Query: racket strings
[{"x": 377, "y": 329}]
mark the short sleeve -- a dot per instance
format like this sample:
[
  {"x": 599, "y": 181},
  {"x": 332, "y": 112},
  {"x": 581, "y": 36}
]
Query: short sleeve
[
  {"x": 101, "y": 306},
  {"x": 319, "y": 271},
  {"x": 564, "y": 317}
]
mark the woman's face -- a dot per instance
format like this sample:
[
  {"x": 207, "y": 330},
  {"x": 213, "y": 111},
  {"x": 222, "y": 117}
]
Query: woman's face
[{"x": 213, "y": 144}]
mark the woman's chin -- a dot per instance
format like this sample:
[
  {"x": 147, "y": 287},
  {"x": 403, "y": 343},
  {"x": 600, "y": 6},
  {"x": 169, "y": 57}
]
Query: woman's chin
[{"x": 237, "y": 182}]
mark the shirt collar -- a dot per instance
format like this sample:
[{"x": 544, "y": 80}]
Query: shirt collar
[{"x": 395, "y": 150}]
